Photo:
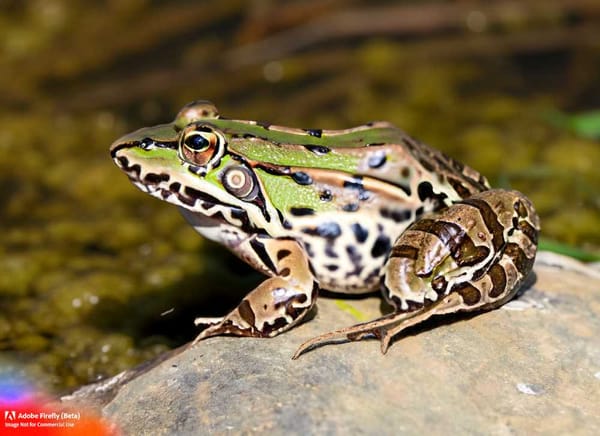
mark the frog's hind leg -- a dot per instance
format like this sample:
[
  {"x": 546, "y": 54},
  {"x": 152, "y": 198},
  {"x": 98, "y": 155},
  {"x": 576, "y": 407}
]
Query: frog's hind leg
[
  {"x": 384, "y": 328},
  {"x": 474, "y": 255},
  {"x": 276, "y": 304}
]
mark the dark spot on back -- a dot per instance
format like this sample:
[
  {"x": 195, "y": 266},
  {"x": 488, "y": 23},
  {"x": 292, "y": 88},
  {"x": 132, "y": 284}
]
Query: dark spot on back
[
  {"x": 319, "y": 150},
  {"x": 364, "y": 195},
  {"x": 314, "y": 132},
  {"x": 423, "y": 160},
  {"x": 302, "y": 178},
  {"x": 409, "y": 142},
  {"x": 354, "y": 183},
  {"x": 458, "y": 166},
  {"x": 263, "y": 124},
  {"x": 326, "y": 195},
  {"x": 460, "y": 189}
]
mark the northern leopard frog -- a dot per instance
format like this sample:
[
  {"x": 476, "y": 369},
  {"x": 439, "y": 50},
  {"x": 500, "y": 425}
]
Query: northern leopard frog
[{"x": 349, "y": 211}]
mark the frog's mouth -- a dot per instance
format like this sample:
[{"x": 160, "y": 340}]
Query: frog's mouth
[
  {"x": 166, "y": 181},
  {"x": 159, "y": 183}
]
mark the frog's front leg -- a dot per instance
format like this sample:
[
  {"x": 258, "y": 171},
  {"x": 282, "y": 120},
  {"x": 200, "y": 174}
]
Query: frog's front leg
[
  {"x": 473, "y": 255},
  {"x": 276, "y": 304}
]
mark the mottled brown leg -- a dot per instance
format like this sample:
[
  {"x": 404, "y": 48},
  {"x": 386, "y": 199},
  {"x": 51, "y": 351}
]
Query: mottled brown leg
[
  {"x": 276, "y": 304},
  {"x": 473, "y": 255}
]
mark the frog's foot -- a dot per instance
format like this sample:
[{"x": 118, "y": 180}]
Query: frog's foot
[
  {"x": 232, "y": 324},
  {"x": 276, "y": 304},
  {"x": 273, "y": 307},
  {"x": 384, "y": 328}
]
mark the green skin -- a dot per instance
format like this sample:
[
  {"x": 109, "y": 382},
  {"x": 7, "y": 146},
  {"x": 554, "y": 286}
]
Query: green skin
[{"x": 350, "y": 211}]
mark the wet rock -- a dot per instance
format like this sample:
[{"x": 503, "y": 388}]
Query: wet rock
[{"x": 532, "y": 366}]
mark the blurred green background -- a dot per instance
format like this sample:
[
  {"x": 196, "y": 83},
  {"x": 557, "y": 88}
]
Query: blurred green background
[{"x": 96, "y": 277}]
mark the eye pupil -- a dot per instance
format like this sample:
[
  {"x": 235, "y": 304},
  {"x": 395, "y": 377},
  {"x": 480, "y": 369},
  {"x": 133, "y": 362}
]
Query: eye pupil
[{"x": 196, "y": 142}]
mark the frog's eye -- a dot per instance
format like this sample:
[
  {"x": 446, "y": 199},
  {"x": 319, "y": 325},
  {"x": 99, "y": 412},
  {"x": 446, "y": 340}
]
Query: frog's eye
[
  {"x": 196, "y": 142},
  {"x": 239, "y": 181},
  {"x": 201, "y": 145}
]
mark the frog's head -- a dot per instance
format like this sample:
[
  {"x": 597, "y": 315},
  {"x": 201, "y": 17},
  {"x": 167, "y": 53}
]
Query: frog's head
[{"x": 187, "y": 163}]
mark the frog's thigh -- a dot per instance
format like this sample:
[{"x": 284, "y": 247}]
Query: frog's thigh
[
  {"x": 276, "y": 304},
  {"x": 481, "y": 249},
  {"x": 471, "y": 256}
]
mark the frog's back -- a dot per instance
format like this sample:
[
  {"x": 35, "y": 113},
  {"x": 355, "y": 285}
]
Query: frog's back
[{"x": 377, "y": 150}]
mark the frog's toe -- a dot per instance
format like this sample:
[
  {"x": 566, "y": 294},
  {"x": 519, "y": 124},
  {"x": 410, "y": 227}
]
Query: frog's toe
[
  {"x": 225, "y": 327},
  {"x": 386, "y": 339},
  {"x": 205, "y": 321}
]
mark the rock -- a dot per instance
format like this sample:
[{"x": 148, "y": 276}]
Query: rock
[{"x": 532, "y": 366}]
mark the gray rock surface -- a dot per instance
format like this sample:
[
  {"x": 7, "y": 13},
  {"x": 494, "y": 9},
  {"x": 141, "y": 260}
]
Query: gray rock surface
[{"x": 530, "y": 367}]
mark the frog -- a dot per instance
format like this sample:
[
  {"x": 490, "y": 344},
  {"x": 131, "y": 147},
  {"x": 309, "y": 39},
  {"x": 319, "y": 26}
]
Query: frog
[{"x": 350, "y": 211}]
